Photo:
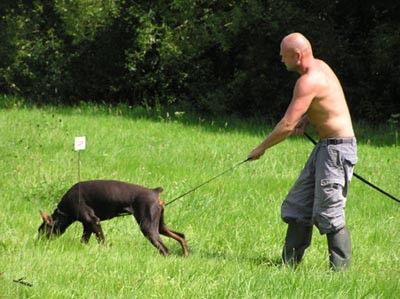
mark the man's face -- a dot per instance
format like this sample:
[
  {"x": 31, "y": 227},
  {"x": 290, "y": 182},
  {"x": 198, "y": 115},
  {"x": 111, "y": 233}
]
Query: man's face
[{"x": 289, "y": 58}]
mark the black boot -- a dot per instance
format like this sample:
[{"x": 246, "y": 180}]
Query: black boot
[
  {"x": 298, "y": 238},
  {"x": 339, "y": 246}
]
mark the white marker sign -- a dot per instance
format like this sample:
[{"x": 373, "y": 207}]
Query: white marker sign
[{"x": 80, "y": 143}]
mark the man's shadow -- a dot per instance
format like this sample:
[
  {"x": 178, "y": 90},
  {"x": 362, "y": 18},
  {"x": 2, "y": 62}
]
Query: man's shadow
[{"x": 261, "y": 260}]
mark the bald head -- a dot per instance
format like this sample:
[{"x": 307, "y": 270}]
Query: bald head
[{"x": 296, "y": 42}]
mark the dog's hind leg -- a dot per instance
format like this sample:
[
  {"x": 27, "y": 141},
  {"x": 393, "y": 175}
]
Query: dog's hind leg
[
  {"x": 150, "y": 231},
  {"x": 182, "y": 235},
  {"x": 156, "y": 241},
  {"x": 166, "y": 231}
]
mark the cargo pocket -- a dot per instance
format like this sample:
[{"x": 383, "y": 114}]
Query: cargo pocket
[
  {"x": 331, "y": 181},
  {"x": 329, "y": 210},
  {"x": 332, "y": 189},
  {"x": 334, "y": 156},
  {"x": 333, "y": 163}
]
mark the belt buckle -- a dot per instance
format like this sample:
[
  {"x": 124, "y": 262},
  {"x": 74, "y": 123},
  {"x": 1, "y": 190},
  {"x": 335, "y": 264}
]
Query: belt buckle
[{"x": 335, "y": 141}]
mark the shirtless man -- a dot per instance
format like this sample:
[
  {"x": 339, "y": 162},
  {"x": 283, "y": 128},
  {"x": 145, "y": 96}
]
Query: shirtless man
[{"x": 319, "y": 194}]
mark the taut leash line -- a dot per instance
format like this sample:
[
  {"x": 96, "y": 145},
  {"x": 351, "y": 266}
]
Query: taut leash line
[
  {"x": 360, "y": 177},
  {"x": 202, "y": 184}
]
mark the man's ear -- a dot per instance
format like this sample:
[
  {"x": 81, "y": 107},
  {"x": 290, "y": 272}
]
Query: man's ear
[
  {"x": 46, "y": 218},
  {"x": 299, "y": 56}
]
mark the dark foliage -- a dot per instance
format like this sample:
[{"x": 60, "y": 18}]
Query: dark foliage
[{"x": 211, "y": 56}]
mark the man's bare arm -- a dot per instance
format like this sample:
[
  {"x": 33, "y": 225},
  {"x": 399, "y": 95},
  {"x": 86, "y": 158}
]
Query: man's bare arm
[
  {"x": 302, "y": 97},
  {"x": 301, "y": 125}
]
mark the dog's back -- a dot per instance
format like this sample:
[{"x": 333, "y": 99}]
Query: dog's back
[{"x": 108, "y": 198}]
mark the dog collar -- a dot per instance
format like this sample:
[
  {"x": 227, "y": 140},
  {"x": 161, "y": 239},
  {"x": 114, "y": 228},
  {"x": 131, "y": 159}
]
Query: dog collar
[{"x": 61, "y": 213}]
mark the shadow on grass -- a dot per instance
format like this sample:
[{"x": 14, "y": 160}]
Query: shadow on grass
[
  {"x": 264, "y": 261},
  {"x": 377, "y": 135}
]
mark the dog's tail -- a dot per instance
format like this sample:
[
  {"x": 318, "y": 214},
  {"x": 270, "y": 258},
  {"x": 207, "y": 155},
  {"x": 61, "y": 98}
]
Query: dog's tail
[{"x": 158, "y": 189}]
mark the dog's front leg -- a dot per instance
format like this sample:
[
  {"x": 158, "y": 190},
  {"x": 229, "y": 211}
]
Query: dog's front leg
[
  {"x": 93, "y": 227},
  {"x": 99, "y": 234},
  {"x": 87, "y": 232}
]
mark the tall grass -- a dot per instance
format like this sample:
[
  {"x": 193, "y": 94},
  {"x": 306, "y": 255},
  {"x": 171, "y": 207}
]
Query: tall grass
[{"x": 233, "y": 226}]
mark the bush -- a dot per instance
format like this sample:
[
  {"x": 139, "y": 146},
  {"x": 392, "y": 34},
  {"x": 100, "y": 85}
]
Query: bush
[{"x": 214, "y": 56}]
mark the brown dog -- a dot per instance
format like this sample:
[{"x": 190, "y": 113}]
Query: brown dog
[{"x": 93, "y": 201}]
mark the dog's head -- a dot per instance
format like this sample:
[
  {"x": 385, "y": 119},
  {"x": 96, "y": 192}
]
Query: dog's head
[{"x": 54, "y": 225}]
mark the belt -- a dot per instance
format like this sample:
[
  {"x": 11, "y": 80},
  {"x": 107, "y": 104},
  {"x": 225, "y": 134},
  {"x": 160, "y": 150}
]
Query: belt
[{"x": 335, "y": 141}]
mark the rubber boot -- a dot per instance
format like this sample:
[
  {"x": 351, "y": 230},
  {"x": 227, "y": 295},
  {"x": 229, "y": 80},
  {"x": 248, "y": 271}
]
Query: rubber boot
[
  {"x": 298, "y": 238},
  {"x": 339, "y": 246}
]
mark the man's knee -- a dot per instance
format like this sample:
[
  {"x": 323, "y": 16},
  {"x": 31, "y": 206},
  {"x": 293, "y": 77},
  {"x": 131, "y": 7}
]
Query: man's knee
[
  {"x": 292, "y": 219},
  {"x": 326, "y": 224}
]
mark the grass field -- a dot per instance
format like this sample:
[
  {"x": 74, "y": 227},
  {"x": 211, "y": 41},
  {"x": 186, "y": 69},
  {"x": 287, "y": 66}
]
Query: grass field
[{"x": 233, "y": 226}]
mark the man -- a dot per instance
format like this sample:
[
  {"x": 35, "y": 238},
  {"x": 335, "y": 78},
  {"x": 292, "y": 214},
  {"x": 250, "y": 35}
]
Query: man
[{"x": 319, "y": 195}]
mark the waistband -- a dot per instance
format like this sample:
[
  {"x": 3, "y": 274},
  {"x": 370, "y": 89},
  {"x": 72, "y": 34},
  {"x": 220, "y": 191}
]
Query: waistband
[{"x": 335, "y": 141}]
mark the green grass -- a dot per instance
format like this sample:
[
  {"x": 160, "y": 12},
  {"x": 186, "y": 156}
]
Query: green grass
[{"x": 233, "y": 226}]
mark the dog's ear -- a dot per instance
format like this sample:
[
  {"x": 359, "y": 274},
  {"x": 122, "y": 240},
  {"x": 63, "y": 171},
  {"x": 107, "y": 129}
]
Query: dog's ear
[{"x": 46, "y": 218}]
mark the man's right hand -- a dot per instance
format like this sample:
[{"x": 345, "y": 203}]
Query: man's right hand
[
  {"x": 255, "y": 154},
  {"x": 301, "y": 126}
]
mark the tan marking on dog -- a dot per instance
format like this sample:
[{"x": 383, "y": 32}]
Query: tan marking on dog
[{"x": 161, "y": 202}]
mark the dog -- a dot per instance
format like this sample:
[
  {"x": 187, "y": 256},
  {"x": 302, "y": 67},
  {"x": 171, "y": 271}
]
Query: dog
[{"x": 93, "y": 201}]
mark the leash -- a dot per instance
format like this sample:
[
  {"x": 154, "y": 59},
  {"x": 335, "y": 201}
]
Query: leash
[
  {"x": 360, "y": 177},
  {"x": 206, "y": 182}
]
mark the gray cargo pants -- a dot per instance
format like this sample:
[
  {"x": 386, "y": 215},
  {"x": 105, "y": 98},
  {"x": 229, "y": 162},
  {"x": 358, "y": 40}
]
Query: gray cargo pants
[{"x": 319, "y": 194}]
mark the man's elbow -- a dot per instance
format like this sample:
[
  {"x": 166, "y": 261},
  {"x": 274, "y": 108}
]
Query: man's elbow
[{"x": 287, "y": 126}]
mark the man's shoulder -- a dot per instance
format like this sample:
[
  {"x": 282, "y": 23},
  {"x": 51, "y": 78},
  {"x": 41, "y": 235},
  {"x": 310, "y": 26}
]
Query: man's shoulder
[
  {"x": 315, "y": 75},
  {"x": 310, "y": 79}
]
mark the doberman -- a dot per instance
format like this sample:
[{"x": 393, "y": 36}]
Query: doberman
[{"x": 92, "y": 201}]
